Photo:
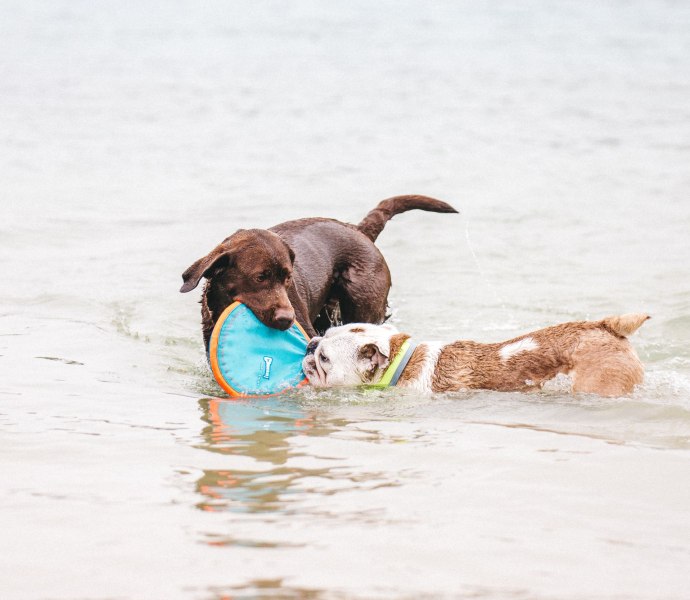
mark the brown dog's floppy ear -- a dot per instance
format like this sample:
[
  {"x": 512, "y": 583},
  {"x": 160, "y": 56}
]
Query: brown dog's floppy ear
[
  {"x": 373, "y": 353},
  {"x": 199, "y": 268}
]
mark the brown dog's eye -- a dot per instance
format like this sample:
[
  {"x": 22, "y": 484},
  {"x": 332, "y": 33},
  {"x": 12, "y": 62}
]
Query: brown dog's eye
[{"x": 263, "y": 276}]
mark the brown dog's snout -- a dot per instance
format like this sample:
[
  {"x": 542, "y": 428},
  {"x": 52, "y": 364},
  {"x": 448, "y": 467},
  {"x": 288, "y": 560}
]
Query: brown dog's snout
[{"x": 283, "y": 318}]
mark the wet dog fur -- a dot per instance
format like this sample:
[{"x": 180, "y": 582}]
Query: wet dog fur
[
  {"x": 301, "y": 269},
  {"x": 595, "y": 354}
]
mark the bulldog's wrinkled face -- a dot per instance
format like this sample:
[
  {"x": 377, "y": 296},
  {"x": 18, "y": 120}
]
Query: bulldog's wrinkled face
[{"x": 349, "y": 355}]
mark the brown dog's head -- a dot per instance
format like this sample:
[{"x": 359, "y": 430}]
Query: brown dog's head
[{"x": 252, "y": 266}]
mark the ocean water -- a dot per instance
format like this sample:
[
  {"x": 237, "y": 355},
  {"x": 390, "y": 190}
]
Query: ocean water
[{"x": 134, "y": 136}]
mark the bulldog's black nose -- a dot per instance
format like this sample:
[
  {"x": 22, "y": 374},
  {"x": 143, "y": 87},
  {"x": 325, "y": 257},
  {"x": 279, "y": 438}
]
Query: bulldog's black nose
[{"x": 311, "y": 346}]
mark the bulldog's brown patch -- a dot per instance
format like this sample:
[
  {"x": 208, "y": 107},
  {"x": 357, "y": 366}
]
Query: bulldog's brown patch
[
  {"x": 415, "y": 366},
  {"x": 396, "y": 343},
  {"x": 462, "y": 365},
  {"x": 595, "y": 353}
]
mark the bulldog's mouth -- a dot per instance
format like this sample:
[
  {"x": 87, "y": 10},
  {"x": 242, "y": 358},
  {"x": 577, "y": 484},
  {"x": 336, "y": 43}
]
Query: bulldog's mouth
[{"x": 315, "y": 374}]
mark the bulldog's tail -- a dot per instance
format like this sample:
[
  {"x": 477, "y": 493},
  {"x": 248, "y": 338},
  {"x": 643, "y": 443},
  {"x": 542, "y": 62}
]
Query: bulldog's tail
[
  {"x": 625, "y": 325},
  {"x": 372, "y": 225}
]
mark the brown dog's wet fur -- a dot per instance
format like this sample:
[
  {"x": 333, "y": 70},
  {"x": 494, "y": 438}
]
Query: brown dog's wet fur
[
  {"x": 295, "y": 269},
  {"x": 596, "y": 354}
]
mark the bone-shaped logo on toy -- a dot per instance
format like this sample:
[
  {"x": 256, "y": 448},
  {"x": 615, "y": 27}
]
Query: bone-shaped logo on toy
[{"x": 267, "y": 362}]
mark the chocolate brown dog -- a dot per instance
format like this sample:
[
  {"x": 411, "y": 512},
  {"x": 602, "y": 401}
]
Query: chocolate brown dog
[{"x": 297, "y": 268}]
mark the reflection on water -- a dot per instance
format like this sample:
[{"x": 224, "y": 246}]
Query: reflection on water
[
  {"x": 275, "y": 589},
  {"x": 270, "y": 468},
  {"x": 262, "y": 430},
  {"x": 280, "y": 589},
  {"x": 258, "y": 428}
]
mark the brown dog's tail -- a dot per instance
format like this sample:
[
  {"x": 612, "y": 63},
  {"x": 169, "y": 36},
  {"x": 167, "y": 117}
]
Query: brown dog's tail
[
  {"x": 372, "y": 225},
  {"x": 625, "y": 325}
]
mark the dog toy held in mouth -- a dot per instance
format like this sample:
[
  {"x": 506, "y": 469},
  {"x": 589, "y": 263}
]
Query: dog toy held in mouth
[{"x": 250, "y": 359}]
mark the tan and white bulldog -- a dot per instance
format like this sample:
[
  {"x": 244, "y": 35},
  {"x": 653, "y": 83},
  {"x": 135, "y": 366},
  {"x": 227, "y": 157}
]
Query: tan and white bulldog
[{"x": 595, "y": 354}]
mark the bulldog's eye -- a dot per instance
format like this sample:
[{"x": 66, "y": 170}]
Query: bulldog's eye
[{"x": 324, "y": 358}]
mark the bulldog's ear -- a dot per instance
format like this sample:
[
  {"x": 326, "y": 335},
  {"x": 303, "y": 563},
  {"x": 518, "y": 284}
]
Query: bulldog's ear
[
  {"x": 221, "y": 256},
  {"x": 375, "y": 355}
]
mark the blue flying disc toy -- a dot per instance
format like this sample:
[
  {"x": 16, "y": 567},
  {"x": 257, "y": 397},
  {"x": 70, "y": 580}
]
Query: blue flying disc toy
[{"x": 250, "y": 359}]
